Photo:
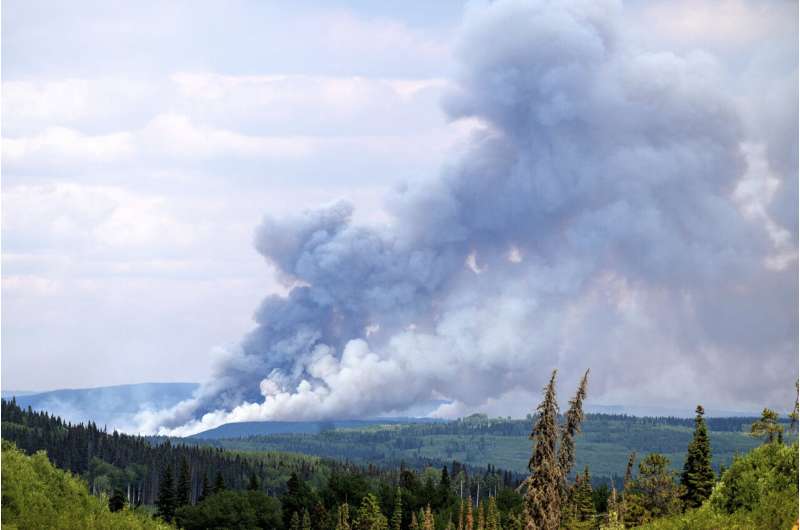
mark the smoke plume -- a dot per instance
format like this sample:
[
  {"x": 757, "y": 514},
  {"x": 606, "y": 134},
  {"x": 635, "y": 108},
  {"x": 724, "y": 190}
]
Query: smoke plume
[{"x": 609, "y": 213}]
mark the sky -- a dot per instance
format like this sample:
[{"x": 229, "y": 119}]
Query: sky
[{"x": 180, "y": 179}]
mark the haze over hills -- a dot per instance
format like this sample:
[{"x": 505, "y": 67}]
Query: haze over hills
[
  {"x": 117, "y": 406},
  {"x": 113, "y": 406}
]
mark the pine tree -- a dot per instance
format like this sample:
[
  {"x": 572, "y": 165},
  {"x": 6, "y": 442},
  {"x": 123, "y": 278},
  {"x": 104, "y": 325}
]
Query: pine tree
[
  {"x": 166, "y": 502},
  {"x": 219, "y": 483},
  {"x": 205, "y": 490},
  {"x": 768, "y": 427},
  {"x": 468, "y": 523},
  {"x": 306, "y": 520},
  {"x": 183, "y": 493},
  {"x": 653, "y": 493},
  {"x": 481, "y": 519},
  {"x": 461, "y": 514},
  {"x": 543, "y": 498},
  {"x": 397, "y": 514},
  {"x": 698, "y": 475},
  {"x": 294, "y": 524}
]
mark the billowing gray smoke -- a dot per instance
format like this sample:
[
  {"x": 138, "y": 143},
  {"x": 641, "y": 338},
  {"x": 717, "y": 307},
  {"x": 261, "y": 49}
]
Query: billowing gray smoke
[{"x": 602, "y": 216}]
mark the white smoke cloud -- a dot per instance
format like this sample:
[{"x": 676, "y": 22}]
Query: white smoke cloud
[{"x": 607, "y": 215}]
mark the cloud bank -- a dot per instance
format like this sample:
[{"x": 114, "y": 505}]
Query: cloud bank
[{"x": 612, "y": 211}]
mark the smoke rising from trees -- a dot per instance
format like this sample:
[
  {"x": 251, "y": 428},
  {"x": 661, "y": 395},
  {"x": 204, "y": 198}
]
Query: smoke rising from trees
[{"x": 612, "y": 210}]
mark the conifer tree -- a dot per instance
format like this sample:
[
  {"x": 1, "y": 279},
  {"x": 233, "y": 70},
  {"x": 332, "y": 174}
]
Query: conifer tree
[
  {"x": 205, "y": 490},
  {"x": 584, "y": 505},
  {"x": 653, "y": 493},
  {"x": 625, "y": 482},
  {"x": 294, "y": 524},
  {"x": 306, "y": 520},
  {"x": 768, "y": 427},
  {"x": 698, "y": 475},
  {"x": 183, "y": 493},
  {"x": 414, "y": 524},
  {"x": 469, "y": 523},
  {"x": 492, "y": 515},
  {"x": 370, "y": 516},
  {"x": 461, "y": 514},
  {"x": 481, "y": 520},
  {"x": 166, "y": 502},
  {"x": 572, "y": 426},
  {"x": 219, "y": 483},
  {"x": 543, "y": 498},
  {"x": 397, "y": 514}
]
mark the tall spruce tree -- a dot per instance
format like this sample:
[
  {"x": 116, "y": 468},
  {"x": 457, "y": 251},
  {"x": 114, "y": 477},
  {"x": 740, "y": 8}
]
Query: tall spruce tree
[
  {"x": 397, "y": 514},
  {"x": 543, "y": 498},
  {"x": 166, "y": 503},
  {"x": 294, "y": 522},
  {"x": 205, "y": 489},
  {"x": 570, "y": 429},
  {"x": 698, "y": 475},
  {"x": 306, "y": 520},
  {"x": 219, "y": 483},
  {"x": 183, "y": 493},
  {"x": 584, "y": 504}
]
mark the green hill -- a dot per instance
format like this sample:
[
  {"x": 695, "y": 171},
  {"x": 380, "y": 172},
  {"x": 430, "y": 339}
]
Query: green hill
[
  {"x": 36, "y": 494},
  {"x": 478, "y": 441}
]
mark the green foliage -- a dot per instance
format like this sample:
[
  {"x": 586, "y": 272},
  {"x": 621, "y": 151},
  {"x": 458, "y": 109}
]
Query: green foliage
[
  {"x": 38, "y": 495},
  {"x": 183, "y": 491},
  {"x": 167, "y": 502},
  {"x": 232, "y": 510},
  {"x": 762, "y": 481},
  {"x": 397, "y": 513},
  {"x": 653, "y": 493},
  {"x": 370, "y": 516},
  {"x": 698, "y": 476}
]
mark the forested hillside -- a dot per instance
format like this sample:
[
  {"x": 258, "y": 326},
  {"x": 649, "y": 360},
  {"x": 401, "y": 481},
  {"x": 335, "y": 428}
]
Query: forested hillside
[
  {"x": 199, "y": 487},
  {"x": 478, "y": 441}
]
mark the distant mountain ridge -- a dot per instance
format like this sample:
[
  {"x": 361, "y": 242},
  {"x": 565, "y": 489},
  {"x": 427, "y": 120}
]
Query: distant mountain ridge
[{"x": 112, "y": 406}]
